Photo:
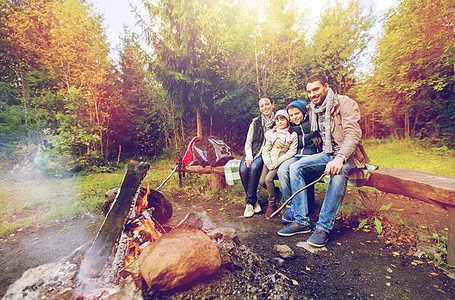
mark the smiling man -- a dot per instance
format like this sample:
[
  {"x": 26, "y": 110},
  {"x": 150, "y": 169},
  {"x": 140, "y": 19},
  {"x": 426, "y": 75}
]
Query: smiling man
[{"x": 336, "y": 119}]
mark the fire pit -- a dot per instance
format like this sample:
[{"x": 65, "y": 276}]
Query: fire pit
[{"x": 132, "y": 251}]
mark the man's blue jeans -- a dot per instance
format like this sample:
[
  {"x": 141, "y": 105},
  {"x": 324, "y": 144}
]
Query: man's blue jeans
[
  {"x": 285, "y": 181},
  {"x": 310, "y": 168},
  {"x": 250, "y": 178}
]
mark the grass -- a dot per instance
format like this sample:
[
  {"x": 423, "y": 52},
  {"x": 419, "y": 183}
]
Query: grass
[
  {"x": 32, "y": 201},
  {"x": 408, "y": 154}
]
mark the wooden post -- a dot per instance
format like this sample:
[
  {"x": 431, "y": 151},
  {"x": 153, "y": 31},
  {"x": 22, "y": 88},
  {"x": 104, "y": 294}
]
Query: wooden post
[
  {"x": 107, "y": 238},
  {"x": 217, "y": 181},
  {"x": 451, "y": 241}
]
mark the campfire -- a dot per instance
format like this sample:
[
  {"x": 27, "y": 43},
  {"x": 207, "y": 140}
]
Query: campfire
[
  {"x": 141, "y": 229},
  {"x": 131, "y": 249}
]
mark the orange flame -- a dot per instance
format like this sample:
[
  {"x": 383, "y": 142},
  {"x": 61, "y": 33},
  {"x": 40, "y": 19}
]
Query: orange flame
[
  {"x": 143, "y": 203},
  {"x": 146, "y": 226}
]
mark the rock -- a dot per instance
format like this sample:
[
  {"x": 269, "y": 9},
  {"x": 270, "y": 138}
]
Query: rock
[
  {"x": 197, "y": 220},
  {"x": 283, "y": 251},
  {"x": 48, "y": 281},
  {"x": 424, "y": 237},
  {"x": 279, "y": 261},
  {"x": 424, "y": 249},
  {"x": 177, "y": 258},
  {"x": 127, "y": 290},
  {"x": 310, "y": 248}
]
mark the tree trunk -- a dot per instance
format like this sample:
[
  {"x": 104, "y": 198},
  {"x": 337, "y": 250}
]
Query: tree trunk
[
  {"x": 406, "y": 126},
  {"x": 413, "y": 132},
  {"x": 211, "y": 125},
  {"x": 373, "y": 130},
  {"x": 257, "y": 67},
  {"x": 199, "y": 120}
]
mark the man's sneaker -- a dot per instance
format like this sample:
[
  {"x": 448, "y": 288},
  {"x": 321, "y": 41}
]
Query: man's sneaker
[
  {"x": 257, "y": 208},
  {"x": 288, "y": 216},
  {"x": 294, "y": 228},
  {"x": 249, "y": 212},
  {"x": 319, "y": 238}
]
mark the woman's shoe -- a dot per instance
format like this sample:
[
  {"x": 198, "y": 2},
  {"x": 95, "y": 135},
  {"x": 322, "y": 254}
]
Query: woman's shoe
[
  {"x": 270, "y": 210},
  {"x": 257, "y": 208},
  {"x": 249, "y": 212}
]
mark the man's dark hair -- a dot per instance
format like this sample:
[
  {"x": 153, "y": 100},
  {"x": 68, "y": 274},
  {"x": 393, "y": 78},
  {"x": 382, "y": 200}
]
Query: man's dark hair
[{"x": 317, "y": 77}]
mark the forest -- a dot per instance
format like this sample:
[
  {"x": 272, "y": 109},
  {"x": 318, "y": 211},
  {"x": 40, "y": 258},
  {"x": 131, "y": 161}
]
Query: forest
[{"x": 199, "y": 67}]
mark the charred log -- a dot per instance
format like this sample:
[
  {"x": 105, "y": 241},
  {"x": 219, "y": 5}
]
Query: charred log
[{"x": 104, "y": 244}]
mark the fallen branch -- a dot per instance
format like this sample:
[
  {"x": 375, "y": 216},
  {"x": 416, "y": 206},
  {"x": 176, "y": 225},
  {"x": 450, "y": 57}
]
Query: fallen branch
[{"x": 293, "y": 195}]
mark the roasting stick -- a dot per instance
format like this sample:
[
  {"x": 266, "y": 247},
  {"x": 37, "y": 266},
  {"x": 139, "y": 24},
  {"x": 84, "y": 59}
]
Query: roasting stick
[
  {"x": 293, "y": 195},
  {"x": 176, "y": 166}
]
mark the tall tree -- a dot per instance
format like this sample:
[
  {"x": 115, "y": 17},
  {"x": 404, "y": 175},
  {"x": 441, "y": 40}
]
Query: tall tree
[
  {"x": 341, "y": 37},
  {"x": 53, "y": 48},
  {"x": 415, "y": 67},
  {"x": 174, "y": 33}
]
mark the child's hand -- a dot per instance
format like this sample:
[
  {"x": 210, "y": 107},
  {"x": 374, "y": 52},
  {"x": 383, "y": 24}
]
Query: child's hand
[
  {"x": 279, "y": 143},
  {"x": 272, "y": 167}
]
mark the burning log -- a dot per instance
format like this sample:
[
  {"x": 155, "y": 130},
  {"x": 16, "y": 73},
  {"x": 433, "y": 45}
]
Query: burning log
[{"x": 104, "y": 244}]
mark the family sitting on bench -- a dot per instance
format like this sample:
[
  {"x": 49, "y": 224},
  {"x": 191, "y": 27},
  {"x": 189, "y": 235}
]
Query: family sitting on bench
[{"x": 300, "y": 144}]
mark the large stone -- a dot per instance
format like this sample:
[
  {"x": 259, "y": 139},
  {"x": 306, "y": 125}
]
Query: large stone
[
  {"x": 48, "y": 281},
  {"x": 177, "y": 258}
]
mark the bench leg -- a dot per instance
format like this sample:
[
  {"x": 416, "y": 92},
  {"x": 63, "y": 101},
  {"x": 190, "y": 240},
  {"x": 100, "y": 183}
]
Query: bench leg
[
  {"x": 451, "y": 238},
  {"x": 217, "y": 181}
]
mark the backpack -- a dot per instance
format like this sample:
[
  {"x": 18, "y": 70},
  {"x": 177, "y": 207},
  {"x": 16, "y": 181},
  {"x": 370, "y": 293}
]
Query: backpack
[
  {"x": 187, "y": 157},
  {"x": 211, "y": 152}
]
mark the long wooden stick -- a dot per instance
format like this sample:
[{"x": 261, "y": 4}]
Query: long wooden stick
[
  {"x": 293, "y": 195},
  {"x": 176, "y": 166}
]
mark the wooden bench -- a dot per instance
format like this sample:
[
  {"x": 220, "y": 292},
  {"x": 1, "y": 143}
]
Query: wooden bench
[
  {"x": 432, "y": 188},
  {"x": 216, "y": 180}
]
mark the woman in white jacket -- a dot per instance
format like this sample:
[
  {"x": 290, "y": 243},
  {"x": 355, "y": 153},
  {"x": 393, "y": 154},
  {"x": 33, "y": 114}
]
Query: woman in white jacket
[{"x": 273, "y": 157}]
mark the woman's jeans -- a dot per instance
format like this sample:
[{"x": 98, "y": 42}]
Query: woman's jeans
[
  {"x": 309, "y": 169},
  {"x": 250, "y": 178}
]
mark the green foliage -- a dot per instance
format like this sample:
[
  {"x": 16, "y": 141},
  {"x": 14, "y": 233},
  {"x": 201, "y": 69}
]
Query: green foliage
[
  {"x": 413, "y": 81},
  {"x": 375, "y": 209},
  {"x": 209, "y": 61},
  {"x": 440, "y": 243},
  {"x": 341, "y": 37}
]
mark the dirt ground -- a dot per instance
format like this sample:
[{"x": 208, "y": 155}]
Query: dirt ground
[{"x": 355, "y": 264}]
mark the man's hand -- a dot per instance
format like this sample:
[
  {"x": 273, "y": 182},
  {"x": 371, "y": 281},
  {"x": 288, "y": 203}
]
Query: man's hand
[
  {"x": 279, "y": 143},
  {"x": 248, "y": 163},
  {"x": 335, "y": 166}
]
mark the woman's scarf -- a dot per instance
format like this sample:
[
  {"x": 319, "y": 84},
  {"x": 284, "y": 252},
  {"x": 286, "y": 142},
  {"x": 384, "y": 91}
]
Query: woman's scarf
[
  {"x": 267, "y": 124},
  {"x": 326, "y": 107},
  {"x": 286, "y": 133}
]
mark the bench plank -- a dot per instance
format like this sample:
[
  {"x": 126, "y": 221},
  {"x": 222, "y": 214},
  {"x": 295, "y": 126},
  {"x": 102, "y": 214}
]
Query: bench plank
[
  {"x": 424, "y": 186},
  {"x": 432, "y": 188},
  {"x": 204, "y": 170}
]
